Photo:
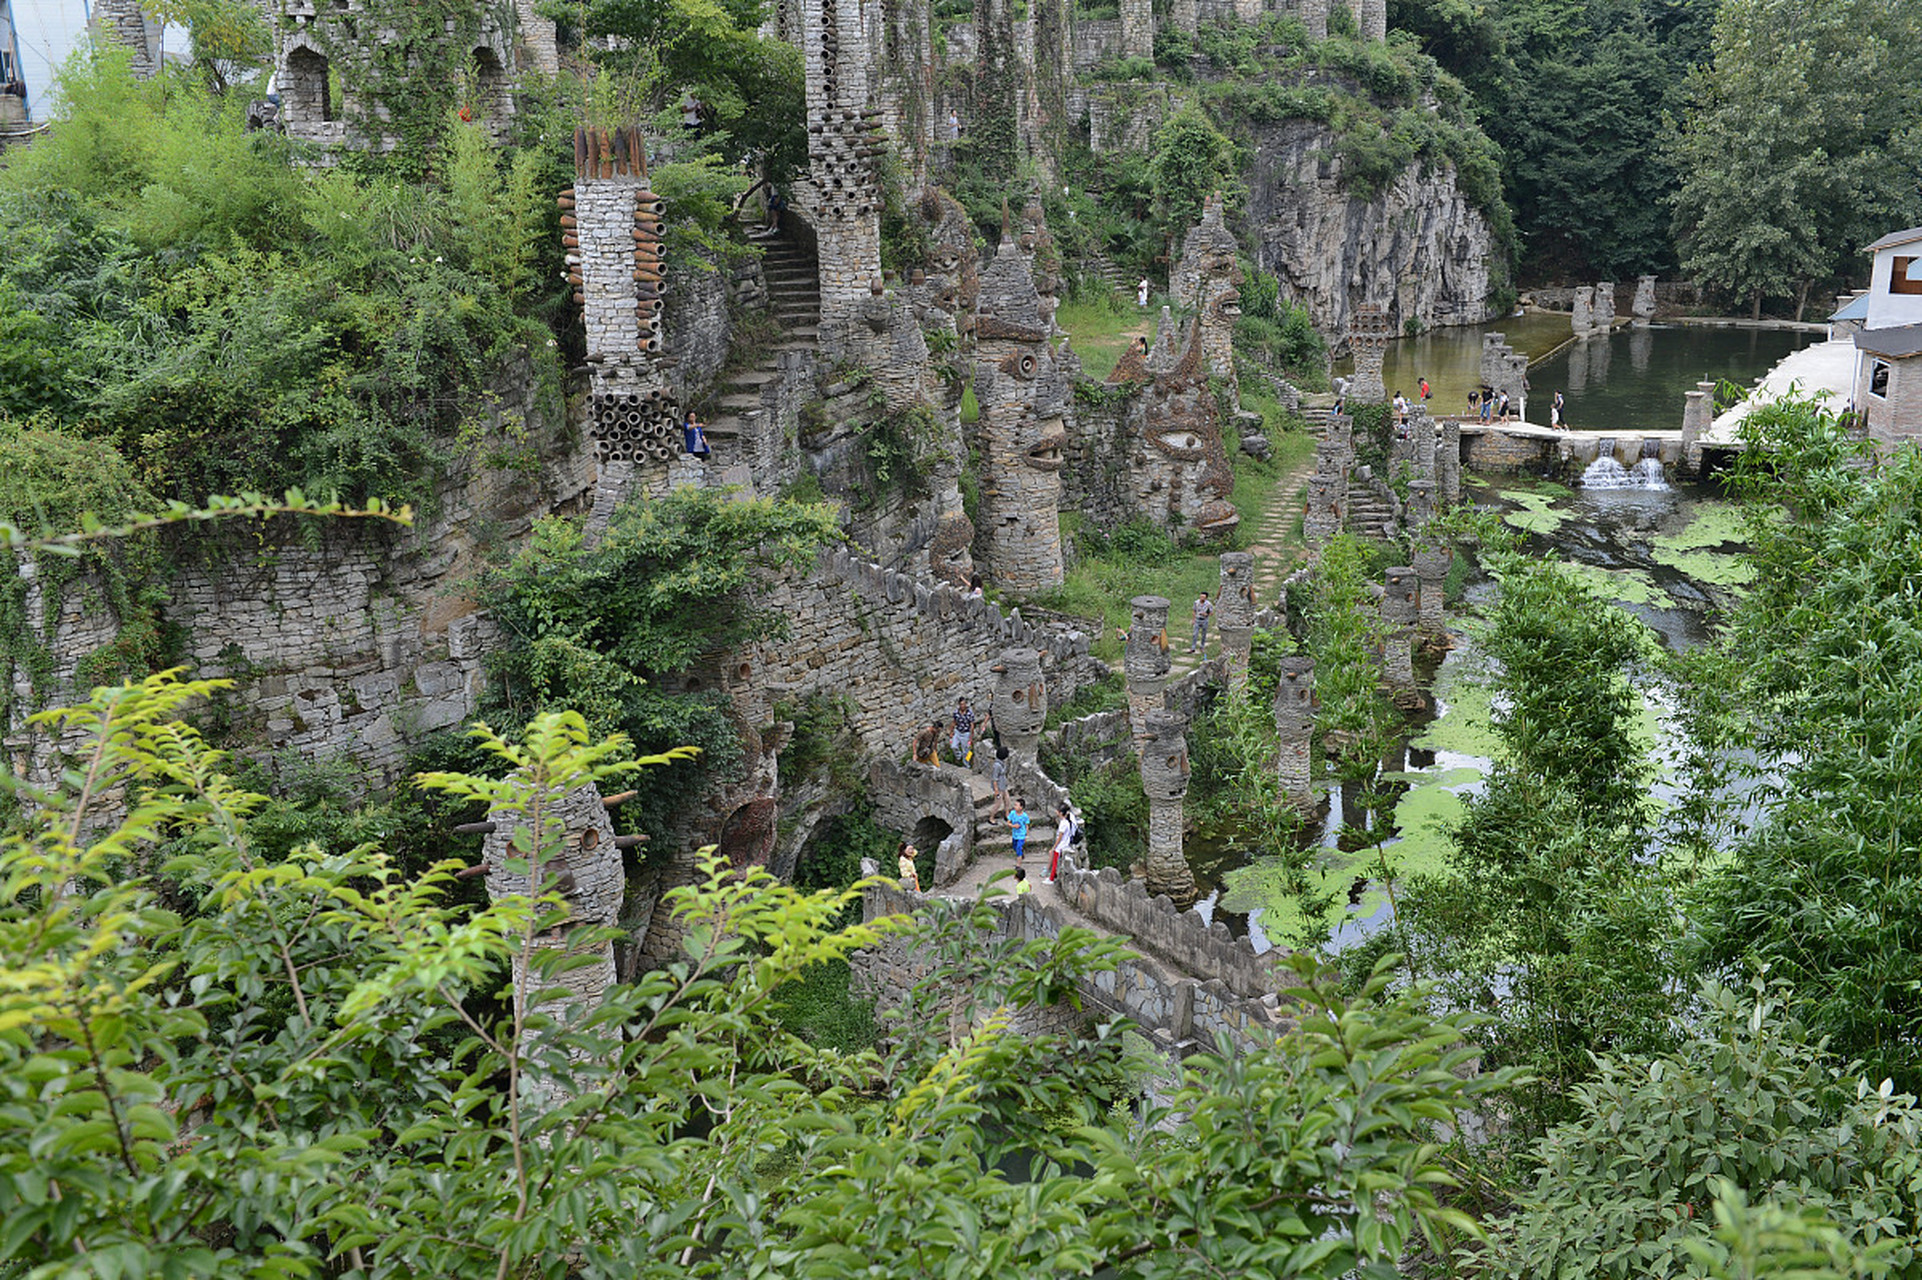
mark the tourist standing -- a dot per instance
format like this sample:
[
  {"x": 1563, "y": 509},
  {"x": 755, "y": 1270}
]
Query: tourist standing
[
  {"x": 1423, "y": 385},
  {"x": 927, "y": 746},
  {"x": 694, "y": 437},
  {"x": 1141, "y": 292},
  {"x": 962, "y": 740},
  {"x": 910, "y": 877},
  {"x": 1021, "y": 884},
  {"x": 1488, "y": 403},
  {"x": 1064, "y": 832},
  {"x": 1501, "y": 407},
  {"x": 1555, "y": 418},
  {"x": 1204, "y": 610},
  {"x": 954, "y": 126},
  {"x": 1000, "y": 774},
  {"x": 1018, "y": 821},
  {"x": 1401, "y": 413}
]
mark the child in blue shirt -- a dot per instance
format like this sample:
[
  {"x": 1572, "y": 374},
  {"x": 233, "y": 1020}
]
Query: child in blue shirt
[{"x": 1018, "y": 822}]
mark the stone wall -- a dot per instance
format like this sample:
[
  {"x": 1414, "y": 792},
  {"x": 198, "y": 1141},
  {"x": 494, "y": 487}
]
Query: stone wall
[
  {"x": 121, "y": 22},
  {"x": 695, "y": 330},
  {"x": 346, "y": 638},
  {"x": 1419, "y": 250},
  {"x": 907, "y": 796},
  {"x": 901, "y": 649}
]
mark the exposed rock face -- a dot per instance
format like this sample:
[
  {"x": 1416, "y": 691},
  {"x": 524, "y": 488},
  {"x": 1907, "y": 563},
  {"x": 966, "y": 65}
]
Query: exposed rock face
[{"x": 1419, "y": 250}]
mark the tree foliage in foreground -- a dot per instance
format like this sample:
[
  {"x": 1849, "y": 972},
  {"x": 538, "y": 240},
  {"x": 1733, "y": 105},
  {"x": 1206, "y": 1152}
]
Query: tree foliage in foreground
[
  {"x": 1749, "y": 1120},
  {"x": 222, "y": 1065},
  {"x": 1816, "y": 680}
]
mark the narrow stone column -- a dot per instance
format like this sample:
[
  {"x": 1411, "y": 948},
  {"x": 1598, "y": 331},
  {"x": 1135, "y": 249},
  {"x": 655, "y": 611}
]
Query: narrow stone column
[
  {"x": 1145, "y": 661},
  {"x": 1431, "y": 568},
  {"x": 1584, "y": 318},
  {"x": 1643, "y": 307},
  {"x": 1187, "y": 16},
  {"x": 1314, "y": 16},
  {"x": 1421, "y": 431},
  {"x": 1421, "y": 505},
  {"x": 1448, "y": 461},
  {"x": 1327, "y": 508},
  {"x": 1019, "y": 701},
  {"x": 1235, "y": 613},
  {"x": 1371, "y": 16},
  {"x": 1163, "y": 758},
  {"x": 1295, "y": 725},
  {"x": 1400, "y": 610},
  {"x": 1605, "y": 305},
  {"x": 1137, "y": 28},
  {"x": 842, "y": 194}
]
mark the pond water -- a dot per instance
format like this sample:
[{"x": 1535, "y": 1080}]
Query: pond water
[
  {"x": 1634, "y": 379},
  {"x": 1667, "y": 556}
]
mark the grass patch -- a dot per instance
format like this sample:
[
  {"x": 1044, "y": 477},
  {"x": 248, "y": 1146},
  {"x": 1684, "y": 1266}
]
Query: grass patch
[{"x": 1101, "y": 329}]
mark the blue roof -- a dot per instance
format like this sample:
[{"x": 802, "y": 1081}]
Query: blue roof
[{"x": 1856, "y": 308}]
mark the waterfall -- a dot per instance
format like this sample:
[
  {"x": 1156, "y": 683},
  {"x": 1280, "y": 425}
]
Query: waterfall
[{"x": 1606, "y": 473}]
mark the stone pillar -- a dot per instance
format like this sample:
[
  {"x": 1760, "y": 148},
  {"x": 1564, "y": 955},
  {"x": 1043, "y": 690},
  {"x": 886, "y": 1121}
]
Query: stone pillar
[
  {"x": 1643, "y": 307},
  {"x": 1187, "y": 16},
  {"x": 1163, "y": 758},
  {"x": 1368, "y": 339},
  {"x": 1421, "y": 434},
  {"x": 1448, "y": 461},
  {"x": 1515, "y": 381},
  {"x": 1371, "y": 18},
  {"x": 1421, "y": 505},
  {"x": 1605, "y": 305},
  {"x": 1584, "y": 318},
  {"x": 841, "y": 195},
  {"x": 1137, "y": 28},
  {"x": 1145, "y": 660},
  {"x": 1022, "y": 430},
  {"x": 1400, "y": 610},
  {"x": 578, "y": 854},
  {"x": 1314, "y": 16},
  {"x": 1235, "y": 613},
  {"x": 1697, "y": 417},
  {"x": 1019, "y": 701},
  {"x": 1327, "y": 502},
  {"x": 611, "y": 225},
  {"x": 121, "y": 22},
  {"x": 1295, "y": 725},
  {"x": 1431, "y": 569}
]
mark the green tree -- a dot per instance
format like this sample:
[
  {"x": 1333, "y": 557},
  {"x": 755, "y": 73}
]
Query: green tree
[
  {"x": 1809, "y": 701},
  {"x": 1192, "y": 158},
  {"x": 1749, "y": 1120},
  {"x": 1801, "y": 143}
]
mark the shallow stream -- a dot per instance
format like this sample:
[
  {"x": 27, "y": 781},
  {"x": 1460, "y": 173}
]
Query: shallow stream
[{"x": 1668, "y": 556}]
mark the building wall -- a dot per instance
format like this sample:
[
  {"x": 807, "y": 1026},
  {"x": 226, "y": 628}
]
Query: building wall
[
  {"x": 1887, "y": 308},
  {"x": 1897, "y": 415}
]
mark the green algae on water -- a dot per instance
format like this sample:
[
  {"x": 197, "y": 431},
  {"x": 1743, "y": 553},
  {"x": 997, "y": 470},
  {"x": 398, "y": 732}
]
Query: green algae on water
[
  {"x": 1536, "y": 514},
  {"x": 1715, "y": 568},
  {"x": 1625, "y": 586},
  {"x": 1713, "y": 524}
]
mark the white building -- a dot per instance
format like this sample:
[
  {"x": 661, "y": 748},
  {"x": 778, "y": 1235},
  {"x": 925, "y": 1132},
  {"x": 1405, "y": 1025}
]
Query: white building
[{"x": 1888, "y": 346}]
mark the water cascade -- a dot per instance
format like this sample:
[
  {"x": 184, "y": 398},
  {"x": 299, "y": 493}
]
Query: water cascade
[{"x": 1606, "y": 473}]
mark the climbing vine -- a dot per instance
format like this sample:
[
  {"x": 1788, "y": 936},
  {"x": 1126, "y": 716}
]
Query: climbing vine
[{"x": 996, "y": 147}]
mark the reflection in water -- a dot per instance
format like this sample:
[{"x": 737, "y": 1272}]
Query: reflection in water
[
  {"x": 1645, "y": 390},
  {"x": 1641, "y": 345},
  {"x": 1577, "y": 377}
]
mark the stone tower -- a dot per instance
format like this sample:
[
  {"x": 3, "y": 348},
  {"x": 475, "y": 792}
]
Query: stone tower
[
  {"x": 1295, "y": 725},
  {"x": 611, "y": 227},
  {"x": 1163, "y": 759},
  {"x": 1235, "y": 612},
  {"x": 841, "y": 195},
  {"x": 1605, "y": 305},
  {"x": 1021, "y": 449},
  {"x": 1582, "y": 318},
  {"x": 1145, "y": 660},
  {"x": 1368, "y": 337},
  {"x": 1643, "y": 306},
  {"x": 1327, "y": 501},
  {"x": 1432, "y": 560},
  {"x": 1448, "y": 461},
  {"x": 1400, "y": 610},
  {"x": 1019, "y": 701},
  {"x": 122, "y": 23},
  {"x": 1421, "y": 505},
  {"x": 1137, "y": 28}
]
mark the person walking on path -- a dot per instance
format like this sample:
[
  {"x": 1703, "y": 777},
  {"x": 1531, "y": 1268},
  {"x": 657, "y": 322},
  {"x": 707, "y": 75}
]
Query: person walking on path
[
  {"x": 962, "y": 739},
  {"x": 1064, "y": 834},
  {"x": 927, "y": 746},
  {"x": 1501, "y": 407},
  {"x": 1204, "y": 610},
  {"x": 1018, "y": 824},
  {"x": 910, "y": 878},
  {"x": 1000, "y": 774}
]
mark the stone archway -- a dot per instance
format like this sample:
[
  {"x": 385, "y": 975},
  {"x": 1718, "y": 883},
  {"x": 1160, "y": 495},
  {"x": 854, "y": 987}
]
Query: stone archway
[
  {"x": 930, "y": 831},
  {"x": 747, "y": 837},
  {"x": 305, "y": 95}
]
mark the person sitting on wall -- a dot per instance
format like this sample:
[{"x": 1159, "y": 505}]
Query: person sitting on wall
[
  {"x": 927, "y": 746},
  {"x": 694, "y": 437},
  {"x": 776, "y": 203}
]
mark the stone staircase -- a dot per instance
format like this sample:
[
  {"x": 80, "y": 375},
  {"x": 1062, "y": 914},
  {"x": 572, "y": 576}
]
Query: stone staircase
[
  {"x": 1369, "y": 515},
  {"x": 992, "y": 839},
  {"x": 792, "y": 276}
]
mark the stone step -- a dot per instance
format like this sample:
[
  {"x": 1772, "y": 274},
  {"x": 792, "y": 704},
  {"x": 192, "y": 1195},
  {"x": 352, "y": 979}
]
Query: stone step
[
  {"x": 723, "y": 427},
  {"x": 756, "y": 377},
  {"x": 739, "y": 404}
]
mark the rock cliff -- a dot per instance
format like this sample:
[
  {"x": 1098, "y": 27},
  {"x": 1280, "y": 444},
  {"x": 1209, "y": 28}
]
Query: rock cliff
[{"x": 1418, "y": 248}]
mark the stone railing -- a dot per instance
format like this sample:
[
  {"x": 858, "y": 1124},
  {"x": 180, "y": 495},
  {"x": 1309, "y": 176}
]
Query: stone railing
[
  {"x": 1204, "y": 951},
  {"x": 1175, "y": 1011}
]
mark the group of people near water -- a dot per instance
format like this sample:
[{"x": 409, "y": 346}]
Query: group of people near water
[
  {"x": 966, "y": 735},
  {"x": 1485, "y": 404}
]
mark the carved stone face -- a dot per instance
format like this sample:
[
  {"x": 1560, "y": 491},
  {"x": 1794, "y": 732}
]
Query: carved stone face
[
  {"x": 1020, "y": 697},
  {"x": 1164, "y": 757},
  {"x": 954, "y": 264},
  {"x": 1037, "y": 246},
  {"x": 1182, "y": 476}
]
